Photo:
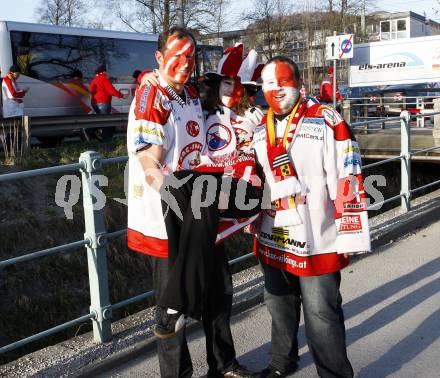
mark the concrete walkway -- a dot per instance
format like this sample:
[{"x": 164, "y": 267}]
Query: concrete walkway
[{"x": 392, "y": 309}]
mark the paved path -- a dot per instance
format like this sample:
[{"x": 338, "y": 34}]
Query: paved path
[{"x": 392, "y": 309}]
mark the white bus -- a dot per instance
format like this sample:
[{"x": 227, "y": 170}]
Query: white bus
[{"x": 50, "y": 58}]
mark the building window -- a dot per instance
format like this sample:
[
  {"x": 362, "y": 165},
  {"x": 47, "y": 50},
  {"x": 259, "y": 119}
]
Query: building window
[
  {"x": 384, "y": 26},
  {"x": 401, "y": 25}
]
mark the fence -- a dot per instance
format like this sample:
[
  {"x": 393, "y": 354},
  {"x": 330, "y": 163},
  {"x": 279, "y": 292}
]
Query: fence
[
  {"x": 27, "y": 127},
  {"x": 360, "y": 108},
  {"x": 96, "y": 238}
]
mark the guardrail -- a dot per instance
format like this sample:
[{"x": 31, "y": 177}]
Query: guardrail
[
  {"x": 60, "y": 126},
  {"x": 96, "y": 237}
]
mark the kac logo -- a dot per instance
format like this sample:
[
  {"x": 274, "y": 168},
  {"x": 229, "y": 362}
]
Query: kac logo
[
  {"x": 192, "y": 128},
  {"x": 218, "y": 137}
]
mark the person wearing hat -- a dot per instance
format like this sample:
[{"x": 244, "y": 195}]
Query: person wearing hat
[
  {"x": 12, "y": 96},
  {"x": 326, "y": 88}
]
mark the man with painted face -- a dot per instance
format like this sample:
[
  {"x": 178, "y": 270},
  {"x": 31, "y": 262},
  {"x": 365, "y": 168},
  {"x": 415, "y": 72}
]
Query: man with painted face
[
  {"x": 166, "y": 134},
  {"x": 308, "y": 155}
]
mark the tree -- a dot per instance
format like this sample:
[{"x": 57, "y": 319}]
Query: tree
[
  {"x": 61, "y": 12},
  {"x": 157, "y": 15},
  {"x": 269, "y": 26}
]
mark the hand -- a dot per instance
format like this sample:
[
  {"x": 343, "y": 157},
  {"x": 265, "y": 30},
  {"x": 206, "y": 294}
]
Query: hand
[{"x": 151, "y": 78}]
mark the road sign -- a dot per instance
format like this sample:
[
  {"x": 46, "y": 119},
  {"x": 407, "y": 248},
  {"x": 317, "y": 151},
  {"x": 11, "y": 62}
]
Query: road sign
[{"x": 339, "y": 47}]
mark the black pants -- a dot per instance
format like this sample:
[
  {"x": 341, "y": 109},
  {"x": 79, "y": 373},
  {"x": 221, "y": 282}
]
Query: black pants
[
  {"x": 174, "y": 357},
  {"x": 323, "y": 318},
  {"x": 192, "y": 225}
]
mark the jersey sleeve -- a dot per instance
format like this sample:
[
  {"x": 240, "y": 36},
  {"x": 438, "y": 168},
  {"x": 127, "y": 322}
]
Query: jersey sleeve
[
  {"x": 151, "y": 112},
  {"x": 342, "y": 164}
]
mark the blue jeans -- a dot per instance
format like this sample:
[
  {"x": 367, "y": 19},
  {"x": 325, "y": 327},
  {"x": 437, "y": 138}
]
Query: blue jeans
[
  {"x": 102, "y": 108},
  {"x": 323, "y": 318},
  {"x": 103, "y": 134}
]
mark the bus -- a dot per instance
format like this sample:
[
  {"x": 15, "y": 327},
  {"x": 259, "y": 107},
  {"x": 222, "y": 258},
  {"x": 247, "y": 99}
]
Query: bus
[{"x": 58, "y": 63}]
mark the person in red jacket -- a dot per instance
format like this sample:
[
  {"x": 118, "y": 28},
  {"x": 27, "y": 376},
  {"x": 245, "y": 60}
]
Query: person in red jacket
[
  {"x": 12, "y": 96},
  {"x": 102, "y": 91},
  {"x": 326, "y": 89}
]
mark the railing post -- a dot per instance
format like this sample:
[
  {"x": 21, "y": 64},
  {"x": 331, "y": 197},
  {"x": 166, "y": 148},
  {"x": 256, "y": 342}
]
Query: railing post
[
  {"x": 405, "y": 151},
  {"x": 96, "y": 248},
  {"x": 26, "y": 136},
  {"x": 436, "y": 129},
  {"x": 420, "y": 105},
  {"x": 346, "y": 110}
]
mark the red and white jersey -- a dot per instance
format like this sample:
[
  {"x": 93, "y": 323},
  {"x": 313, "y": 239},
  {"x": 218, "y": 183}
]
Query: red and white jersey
[
  {"x": 331, "y": 206},
  {"x": 158, "y": 115},
  {"x": 227, "y": 138},
  {"x": 12, "y": 98}
]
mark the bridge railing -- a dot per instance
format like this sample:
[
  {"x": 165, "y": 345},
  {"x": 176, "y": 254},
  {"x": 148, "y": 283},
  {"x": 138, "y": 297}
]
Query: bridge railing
[{"x": 96, "y": 237}]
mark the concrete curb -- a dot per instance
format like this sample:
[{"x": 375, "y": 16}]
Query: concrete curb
[{"x": 388, "y": 227}]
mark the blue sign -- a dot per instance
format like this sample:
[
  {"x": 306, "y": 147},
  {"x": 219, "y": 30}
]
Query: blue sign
[{"x": 346, "y": 46}]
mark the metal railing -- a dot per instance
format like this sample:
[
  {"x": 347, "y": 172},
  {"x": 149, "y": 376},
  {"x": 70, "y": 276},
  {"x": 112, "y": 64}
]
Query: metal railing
[{"x": 96, "y": 237}]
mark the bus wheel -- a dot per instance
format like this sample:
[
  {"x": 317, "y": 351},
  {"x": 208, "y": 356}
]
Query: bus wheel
[{"x": 51, "y": 141}]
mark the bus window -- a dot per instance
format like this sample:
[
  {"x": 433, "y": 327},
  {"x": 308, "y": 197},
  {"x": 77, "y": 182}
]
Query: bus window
[
  {"x": 54, "y": 57},
  {"x": 125, "y": 56},
  {"x": 46, "y": 56}
]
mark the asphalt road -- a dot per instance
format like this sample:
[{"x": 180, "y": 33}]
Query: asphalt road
[{"x": 392, "y": 310}]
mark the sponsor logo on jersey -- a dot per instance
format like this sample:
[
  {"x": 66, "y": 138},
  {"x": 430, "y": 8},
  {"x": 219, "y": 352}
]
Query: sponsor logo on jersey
[
  {"x": 355, "y": 206},
  {"x": 149, "y": 131},
  {"x": 352, "y": 161},
  {"x": 143, "y": 102},
  {"x": 351, "y": 149},
  {"x": 192, "y": 128},
  {"x": 191, "y": 153},
  {"x": 311, "y": 128},
  {"x": 313, "y": 121},
  {"x": 195, "y": 102},
  {"x": 310, "y": 136},
  {"x": 281, "y": 238},
  {"x": 218, "y": 137},
  {"x": 350, "y": 223}
]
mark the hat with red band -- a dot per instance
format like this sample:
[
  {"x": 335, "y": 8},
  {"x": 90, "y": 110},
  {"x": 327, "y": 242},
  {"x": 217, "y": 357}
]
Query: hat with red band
[{"x": 234, "y": 64}]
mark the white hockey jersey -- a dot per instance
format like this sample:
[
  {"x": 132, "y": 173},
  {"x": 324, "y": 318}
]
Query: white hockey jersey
[
  {"x": 159, "y": 116},
  {"x": 332, "y": 206}
]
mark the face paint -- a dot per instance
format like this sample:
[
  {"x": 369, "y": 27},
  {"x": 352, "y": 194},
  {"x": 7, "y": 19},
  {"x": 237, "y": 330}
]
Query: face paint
[
  {"x": 280, "y": 87},
  {"x": 230, "y": 92},
  {"x": 179, "y": 59}
]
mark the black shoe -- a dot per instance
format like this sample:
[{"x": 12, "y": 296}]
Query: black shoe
[
  {"x": 238, "y": 371},
  {"x": 167, "y": 325},
  {"x": 273, "y": 372}
]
